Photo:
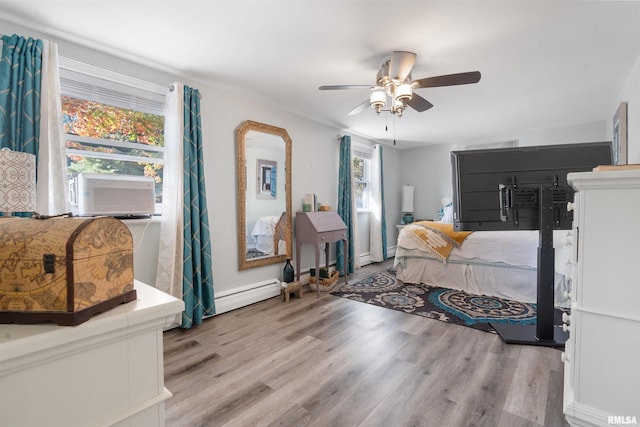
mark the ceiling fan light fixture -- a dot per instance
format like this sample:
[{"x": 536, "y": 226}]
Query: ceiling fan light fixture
[
  {"x": 403, "y": 92},
  {"x": 397, "y": 108},
  {"x": 378, "y": 99}
]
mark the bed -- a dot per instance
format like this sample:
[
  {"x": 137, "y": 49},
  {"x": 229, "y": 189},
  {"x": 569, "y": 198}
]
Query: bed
[
  {"x": 497, "y": 263},
  {"x": 269, "y": 234}
]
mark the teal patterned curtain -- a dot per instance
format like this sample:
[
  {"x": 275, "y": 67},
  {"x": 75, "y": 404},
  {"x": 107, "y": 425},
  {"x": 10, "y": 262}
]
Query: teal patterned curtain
[
  {"x": 197, "y": 285},
  {"x": 20, "y": 85},
  {"x": 345, "y": 205},
  {"x": 20, "y": 81}
]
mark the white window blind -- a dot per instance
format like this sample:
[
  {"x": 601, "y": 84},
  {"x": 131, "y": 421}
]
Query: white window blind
[
  {"x": 356, "y": 152},
  {"x": 361, "y": 150},
  {"x": 84, "y": 86}
]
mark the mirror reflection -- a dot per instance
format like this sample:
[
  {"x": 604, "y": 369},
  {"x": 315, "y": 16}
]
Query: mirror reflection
[{"x": 264, "y": 199}]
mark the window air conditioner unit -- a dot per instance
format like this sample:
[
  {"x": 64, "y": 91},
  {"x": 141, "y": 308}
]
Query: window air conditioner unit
[{"x": 112, "y": 195}]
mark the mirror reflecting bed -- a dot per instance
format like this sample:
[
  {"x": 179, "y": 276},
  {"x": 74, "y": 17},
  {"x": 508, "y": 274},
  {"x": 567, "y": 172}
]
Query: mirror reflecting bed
[{"x": 264, "y": 197}]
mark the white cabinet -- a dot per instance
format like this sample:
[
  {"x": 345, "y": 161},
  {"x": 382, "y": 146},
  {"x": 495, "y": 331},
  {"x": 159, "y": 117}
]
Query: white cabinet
[
  {"x": 602, "y": 355},
  {"x": 108, "y": 371}
]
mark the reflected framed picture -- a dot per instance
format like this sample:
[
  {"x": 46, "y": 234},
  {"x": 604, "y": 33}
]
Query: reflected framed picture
[
  {"x": 266, "y": 173},
  {"x": 620, "y": 135}
]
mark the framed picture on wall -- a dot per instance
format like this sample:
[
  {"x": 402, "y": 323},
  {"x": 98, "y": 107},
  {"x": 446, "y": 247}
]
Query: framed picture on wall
[
  {"x": 266, "y": 172},
  {"x": 620, "y": 135}
]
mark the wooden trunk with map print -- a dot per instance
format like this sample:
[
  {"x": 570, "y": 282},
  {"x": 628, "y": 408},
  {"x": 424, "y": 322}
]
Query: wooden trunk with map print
[{"x": 63, "y": 270}]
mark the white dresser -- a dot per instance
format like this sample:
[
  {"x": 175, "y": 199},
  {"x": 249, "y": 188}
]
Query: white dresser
[
  {"x": 107, "y": 371},
  {"x": 602, "y": 355}
]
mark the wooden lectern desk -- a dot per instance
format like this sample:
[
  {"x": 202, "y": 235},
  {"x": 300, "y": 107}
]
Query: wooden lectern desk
[{"x": 319, "y": 228}]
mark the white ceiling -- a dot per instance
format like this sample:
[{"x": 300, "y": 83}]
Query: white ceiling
[{"x": 544, "y": 64}]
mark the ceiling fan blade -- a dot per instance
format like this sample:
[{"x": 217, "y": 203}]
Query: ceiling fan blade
[
  {"x": 400, "y": 65},
  {"x": 418, "y": 103},
  {"x": 447, "y": 80},
  {"x": 344, "y": 87},
  {"x": 359, "y": 108}
]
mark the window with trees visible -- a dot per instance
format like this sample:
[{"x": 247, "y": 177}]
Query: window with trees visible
[
  {"x": 112, "y": 128},
  {"x": 360, "y": 164}
]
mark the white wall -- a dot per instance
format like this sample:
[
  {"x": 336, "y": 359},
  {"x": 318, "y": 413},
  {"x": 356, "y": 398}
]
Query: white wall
[
  {"x": 586, "y": 132},
  {"x": 428, "y": 169},
  {"x": 146, "y": 234},
  {"x": 630, "y": 93}
]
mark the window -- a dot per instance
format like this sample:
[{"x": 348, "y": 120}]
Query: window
[
  {"x": 112, "y": 128},
  {"x": 361, "y": 166}
]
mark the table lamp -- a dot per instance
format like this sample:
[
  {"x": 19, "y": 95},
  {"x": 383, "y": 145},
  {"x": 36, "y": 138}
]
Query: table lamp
[
  {"x": 17, "y": 182},
  {"x": 407, "y": 204}
]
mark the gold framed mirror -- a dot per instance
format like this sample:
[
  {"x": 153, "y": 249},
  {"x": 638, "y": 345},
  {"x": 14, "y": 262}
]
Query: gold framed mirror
[{"x": 263, "y": 195}]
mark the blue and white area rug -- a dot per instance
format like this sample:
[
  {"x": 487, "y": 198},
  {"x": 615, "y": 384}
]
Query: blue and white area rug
[{"x": 447, "y": 305}]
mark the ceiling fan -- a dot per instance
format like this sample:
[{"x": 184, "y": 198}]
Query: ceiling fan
[{"x": 394, "y": 81}]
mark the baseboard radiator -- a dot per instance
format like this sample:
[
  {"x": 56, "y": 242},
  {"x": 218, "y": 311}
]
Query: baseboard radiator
[{"x": 246, "y": 295}]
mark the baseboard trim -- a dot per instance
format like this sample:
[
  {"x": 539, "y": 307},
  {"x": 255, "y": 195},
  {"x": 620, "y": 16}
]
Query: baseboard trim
[
  {"x": 579, "y": 414},
  {"x": 246, "y": 295},
  {"x": 365, "y": 259}
]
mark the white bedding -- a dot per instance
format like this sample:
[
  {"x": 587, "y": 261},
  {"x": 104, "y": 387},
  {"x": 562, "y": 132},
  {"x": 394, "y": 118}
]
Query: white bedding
[
  {"x": 498, "y": 263},
  {"x": 262, "y": 233}
]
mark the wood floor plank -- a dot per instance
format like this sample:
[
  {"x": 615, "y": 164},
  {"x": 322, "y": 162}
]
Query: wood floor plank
[
  {"x": 409, "y": 396},
  {"x": 300, "y": 379},
  {"x": 295, "y": 416},
  {"x": 507, "y": 419},
  {"x": 467, "y": 364},
  {"x": 322, "y": 362},
  {"x": 220, "y": 410},
  {"x": 483, "y": 403},
  {"x": 365, "y": 396},
  {"x": 415, "y": 349},
  {"x": 337, "y": 387},
  {"x": 553, "y": 412},
  {"x": 330, "y": 361},
  {"x": 529, "y": 385}
]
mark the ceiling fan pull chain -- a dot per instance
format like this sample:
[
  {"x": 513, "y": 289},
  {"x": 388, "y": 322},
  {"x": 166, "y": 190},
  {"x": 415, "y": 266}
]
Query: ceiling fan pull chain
[{"x": 394, "y": 131}]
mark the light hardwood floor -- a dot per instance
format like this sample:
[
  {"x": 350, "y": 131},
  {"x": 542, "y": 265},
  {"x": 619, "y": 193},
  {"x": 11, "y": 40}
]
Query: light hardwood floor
[{"x": 330, "y": 361}]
